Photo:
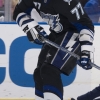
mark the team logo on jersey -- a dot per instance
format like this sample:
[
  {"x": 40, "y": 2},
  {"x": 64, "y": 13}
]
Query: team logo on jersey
[
  {"x": 72, "y": 44},
  {"x": 53, "y": 21},
  {"x": 48, "y": 55},
  {"x": 68, "y": 1}
]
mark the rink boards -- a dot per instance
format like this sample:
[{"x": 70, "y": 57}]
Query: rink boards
[{"x": 18, "y": 58}]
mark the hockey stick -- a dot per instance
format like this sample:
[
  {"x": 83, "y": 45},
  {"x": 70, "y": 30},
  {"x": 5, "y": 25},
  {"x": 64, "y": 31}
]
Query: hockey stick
[{"x": 67, "y": 51}]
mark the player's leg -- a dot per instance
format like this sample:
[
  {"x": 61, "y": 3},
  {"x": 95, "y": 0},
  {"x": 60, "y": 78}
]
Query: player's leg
[
  {"x": 52, "y": 83},
  {"x": 50, "y": 72},
  {"x": 37, "y": 76},
  {"x": 51, "y": 69},
  {"x": 95, "y": 93},
  {"x": 38, "y": 85}
]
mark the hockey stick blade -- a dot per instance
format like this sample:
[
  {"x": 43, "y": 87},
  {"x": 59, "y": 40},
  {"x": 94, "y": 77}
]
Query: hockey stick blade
[{"x": 67, "y": 51}]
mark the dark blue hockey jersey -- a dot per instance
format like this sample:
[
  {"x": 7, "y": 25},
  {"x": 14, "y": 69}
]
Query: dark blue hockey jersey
[{"x": 61, "y": 15}]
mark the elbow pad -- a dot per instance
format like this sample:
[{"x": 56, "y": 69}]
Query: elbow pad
[{"x": 86, "y": 36}]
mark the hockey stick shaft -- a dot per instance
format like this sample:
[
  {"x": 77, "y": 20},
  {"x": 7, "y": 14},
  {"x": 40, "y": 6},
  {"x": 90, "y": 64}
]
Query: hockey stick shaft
[{"x": 67, "y": 51}]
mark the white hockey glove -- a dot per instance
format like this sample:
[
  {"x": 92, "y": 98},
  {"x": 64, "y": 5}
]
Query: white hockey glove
[
  {"x": 31, "y": 28},
  {"x": 87, "y": 49}
]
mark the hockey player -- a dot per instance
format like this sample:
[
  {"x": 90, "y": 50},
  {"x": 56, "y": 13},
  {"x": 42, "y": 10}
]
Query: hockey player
[{"x": 70, "y": 27}]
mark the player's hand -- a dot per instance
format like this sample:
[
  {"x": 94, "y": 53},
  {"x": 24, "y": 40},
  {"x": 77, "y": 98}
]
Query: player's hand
[
  {"x": 33, "y": 30},
  {"x": 86, "y": 57}
]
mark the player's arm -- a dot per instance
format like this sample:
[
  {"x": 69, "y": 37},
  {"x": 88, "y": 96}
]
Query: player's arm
[
  {"x": 25, "y": 15},
  {"x": 75, "y": 13}
]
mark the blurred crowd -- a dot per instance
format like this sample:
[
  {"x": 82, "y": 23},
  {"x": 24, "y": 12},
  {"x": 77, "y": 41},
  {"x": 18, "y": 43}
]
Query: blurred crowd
[
  {"x": 2, "y": 8},
  {"x": 92, "y": 8},
  {"x": 1, "y": 3}
]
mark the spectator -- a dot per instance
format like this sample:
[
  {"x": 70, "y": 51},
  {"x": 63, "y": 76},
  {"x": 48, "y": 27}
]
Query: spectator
[
  {"x": 99, "y": 20},
  {"x": 1, "y": 18},
  {"x": 14, "y": 2},
  {"x": 1, "y": 10},
  {"x": 92, "y": 7},
  {"x": 1, "y": 3}
]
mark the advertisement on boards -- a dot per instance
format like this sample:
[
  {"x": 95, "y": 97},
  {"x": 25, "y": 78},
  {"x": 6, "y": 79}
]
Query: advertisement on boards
[{"x": 18, "y": 59}]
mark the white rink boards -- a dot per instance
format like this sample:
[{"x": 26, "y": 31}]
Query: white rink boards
[{"x": 18, "y": 58}]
